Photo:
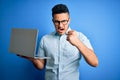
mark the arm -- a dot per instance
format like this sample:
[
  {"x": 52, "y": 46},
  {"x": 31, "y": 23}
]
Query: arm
[
  {"x": 38, "y": 63},
  {"x": 87, "y": 53}
]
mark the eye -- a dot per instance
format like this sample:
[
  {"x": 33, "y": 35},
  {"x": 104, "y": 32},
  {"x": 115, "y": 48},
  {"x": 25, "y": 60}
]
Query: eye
[{"x": 64, "y": 22}]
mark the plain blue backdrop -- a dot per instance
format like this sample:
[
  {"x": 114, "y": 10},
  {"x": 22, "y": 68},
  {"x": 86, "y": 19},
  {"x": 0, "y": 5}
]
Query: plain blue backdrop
[{"x": 99, "y": 20}]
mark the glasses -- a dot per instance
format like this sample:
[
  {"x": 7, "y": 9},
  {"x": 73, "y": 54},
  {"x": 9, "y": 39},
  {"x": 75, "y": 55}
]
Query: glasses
[{"x": 64, "y": 22}]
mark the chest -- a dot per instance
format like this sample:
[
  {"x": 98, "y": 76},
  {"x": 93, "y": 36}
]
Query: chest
[{"x": 60, "y": 47}]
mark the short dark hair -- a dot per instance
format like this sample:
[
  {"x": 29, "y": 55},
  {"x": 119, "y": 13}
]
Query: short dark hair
[{"x": 59, "y": 8}]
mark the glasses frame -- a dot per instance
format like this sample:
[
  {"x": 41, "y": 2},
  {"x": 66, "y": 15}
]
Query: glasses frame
[{"x": 64, "y": 22}]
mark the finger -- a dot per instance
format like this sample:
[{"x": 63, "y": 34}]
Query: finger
[
  {"x": 22, "y": 56},
  {"x": 68, "y": 37},
  {"x": 19, "y": 55},
  {"x": 69, "y": 33}
]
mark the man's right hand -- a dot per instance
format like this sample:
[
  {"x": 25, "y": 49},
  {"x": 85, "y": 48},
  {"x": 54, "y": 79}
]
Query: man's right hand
[{"x": 38, "y": 63}]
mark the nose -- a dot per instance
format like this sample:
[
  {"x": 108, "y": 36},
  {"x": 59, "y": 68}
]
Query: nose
[{"x": 60, "y": 24}]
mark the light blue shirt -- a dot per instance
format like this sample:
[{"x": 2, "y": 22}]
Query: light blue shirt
[{"x": 62, "y": 58}]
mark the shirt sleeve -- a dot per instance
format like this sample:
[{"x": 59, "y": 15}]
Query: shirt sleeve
[
  {"x": 41, "y": 50},
  {"x": 85, "y": 40}
]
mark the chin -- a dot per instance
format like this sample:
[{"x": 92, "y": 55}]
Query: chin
[{"x": 61, "y": 33}]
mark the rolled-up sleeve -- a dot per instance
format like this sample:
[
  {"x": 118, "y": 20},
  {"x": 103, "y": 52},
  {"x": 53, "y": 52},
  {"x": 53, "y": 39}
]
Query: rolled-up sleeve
[
  {"x": 85, "y": 41},
  {"x": 41, "y": 51}
]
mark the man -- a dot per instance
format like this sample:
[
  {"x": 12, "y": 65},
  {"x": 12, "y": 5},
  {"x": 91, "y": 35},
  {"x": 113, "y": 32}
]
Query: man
[{"x": 62, "y": 49}]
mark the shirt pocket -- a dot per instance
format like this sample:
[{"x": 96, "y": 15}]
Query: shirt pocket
[{"x": 70, "y": 51}]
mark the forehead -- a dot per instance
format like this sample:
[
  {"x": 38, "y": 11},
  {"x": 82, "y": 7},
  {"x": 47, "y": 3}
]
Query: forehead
[{"x": 61, "y": 16}]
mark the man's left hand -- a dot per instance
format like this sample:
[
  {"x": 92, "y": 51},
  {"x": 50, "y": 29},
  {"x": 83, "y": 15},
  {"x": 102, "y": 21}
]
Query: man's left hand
[{"x": 72, "y": 37}]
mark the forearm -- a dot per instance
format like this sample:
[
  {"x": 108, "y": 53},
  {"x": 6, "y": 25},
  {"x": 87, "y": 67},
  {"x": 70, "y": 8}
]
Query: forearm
[{"x": 88, "y": 54}]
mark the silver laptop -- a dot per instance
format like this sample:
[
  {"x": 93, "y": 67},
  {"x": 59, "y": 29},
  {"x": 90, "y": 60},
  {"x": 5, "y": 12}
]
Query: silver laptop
[{"x": 23, "y": 41}]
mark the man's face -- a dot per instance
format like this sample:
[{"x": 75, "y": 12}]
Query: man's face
[{"x": 61, "y": 22}]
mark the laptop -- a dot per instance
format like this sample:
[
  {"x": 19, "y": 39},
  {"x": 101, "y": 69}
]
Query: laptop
[{"x": 23, "y": 41}]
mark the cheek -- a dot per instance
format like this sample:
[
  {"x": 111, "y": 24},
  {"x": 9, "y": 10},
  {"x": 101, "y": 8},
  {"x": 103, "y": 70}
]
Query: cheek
[{"x": 66, "y": 27}]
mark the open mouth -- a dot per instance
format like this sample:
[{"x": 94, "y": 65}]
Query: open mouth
[{"x": 60, "y": 29}]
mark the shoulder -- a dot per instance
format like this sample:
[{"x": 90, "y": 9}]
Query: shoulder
[
  {"x": 82, "y": 36},
  {"x": 85, "y": 40},
  {"x": 48, "y": 36}
]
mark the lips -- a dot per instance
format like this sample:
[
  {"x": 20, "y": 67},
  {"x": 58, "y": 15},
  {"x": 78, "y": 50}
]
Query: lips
[{"x": 60, "y": 30}]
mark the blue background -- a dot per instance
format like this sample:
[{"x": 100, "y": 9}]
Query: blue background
[{"x": 99, "y": 20}]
